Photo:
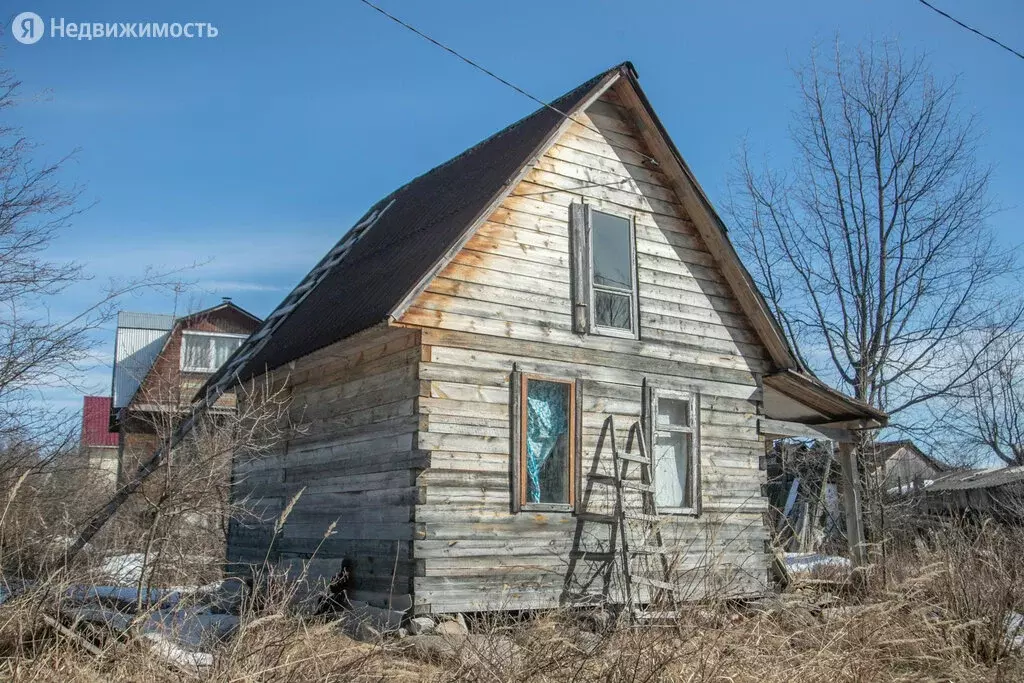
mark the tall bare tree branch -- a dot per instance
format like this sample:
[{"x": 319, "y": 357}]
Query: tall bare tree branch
[
  {"x": 38, "y": 350},
  {"x": 986, "y": 415},
  {"x": 873, "y": 248}
]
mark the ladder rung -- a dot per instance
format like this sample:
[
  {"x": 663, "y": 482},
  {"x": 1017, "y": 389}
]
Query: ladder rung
[
  {"x": 603, "y": 478},
  {"x": 657, "y": 550},
  {"x": 304, "y": 285},
  {"x": 283, "y": 310},
  {"x": 596, "y": 517},
  {"x": 629, "y": 457},
  {"x": 341, "y": 248},
  {"x": 604, "y": 556},
  {"x": 655, "y": 583},
  {"x": 641, "y": 517},
  {"x": 637, "y": 486}
]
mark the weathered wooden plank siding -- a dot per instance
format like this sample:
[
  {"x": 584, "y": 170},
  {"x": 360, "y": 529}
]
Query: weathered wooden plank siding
[
  {"x": 352, "y": 456},
  {"x": 505, "y": 298}
]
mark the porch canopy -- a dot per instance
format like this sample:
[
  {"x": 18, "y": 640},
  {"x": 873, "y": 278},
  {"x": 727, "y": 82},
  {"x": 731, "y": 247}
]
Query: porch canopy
[{"x": 798, "y": 405}]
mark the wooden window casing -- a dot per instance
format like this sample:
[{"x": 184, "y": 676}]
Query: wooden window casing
[
  {"x": 652, "y": 397},
  {"x": 583, "y": 288},
  {"x": 519, "y": 413}
]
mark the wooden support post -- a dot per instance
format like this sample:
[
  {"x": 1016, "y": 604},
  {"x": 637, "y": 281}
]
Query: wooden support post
[{"x": 852, "y": 505}]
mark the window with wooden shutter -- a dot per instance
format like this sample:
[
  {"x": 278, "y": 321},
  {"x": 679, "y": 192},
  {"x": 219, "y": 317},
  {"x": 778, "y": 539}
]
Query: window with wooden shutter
[
  {"x": 604, "y": 279},
  {"x": 579, "y": 250}
]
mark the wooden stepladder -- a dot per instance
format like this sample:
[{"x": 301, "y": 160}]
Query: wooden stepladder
[
  {"x": 645, "y": 557},
  {"x": 649, "y": 591}
]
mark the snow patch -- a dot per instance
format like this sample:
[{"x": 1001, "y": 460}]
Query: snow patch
[
  {"x": 806, "y": 563},
  {"x": 124, "y": 569}
]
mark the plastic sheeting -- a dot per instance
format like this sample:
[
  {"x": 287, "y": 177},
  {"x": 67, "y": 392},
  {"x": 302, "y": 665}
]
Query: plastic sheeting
[{"x": 547, "y": 421}]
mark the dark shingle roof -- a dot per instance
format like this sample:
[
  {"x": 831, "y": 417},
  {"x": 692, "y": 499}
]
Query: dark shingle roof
[{"x": 429, "y": 214}]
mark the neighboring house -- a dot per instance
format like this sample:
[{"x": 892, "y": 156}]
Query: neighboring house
[
  {"x": 905, "y": 466},
  {"x": 160, "y": 361},
  {"x": 98, "y": 444},
  {"x": 455, "y": 358}
]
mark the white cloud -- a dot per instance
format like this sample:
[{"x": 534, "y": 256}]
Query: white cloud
[{"x": 217, "y": 286}]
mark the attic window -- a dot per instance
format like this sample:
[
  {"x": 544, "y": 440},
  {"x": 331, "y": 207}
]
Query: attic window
[
  {"x": 604, "y": 290},
  {"x": 207, "y": 351}
]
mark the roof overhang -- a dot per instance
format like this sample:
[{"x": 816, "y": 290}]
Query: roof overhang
[{"x": 800, "y": 405}]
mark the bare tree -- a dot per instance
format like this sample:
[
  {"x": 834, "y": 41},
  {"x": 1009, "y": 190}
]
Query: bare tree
[
  {"x": 38, "y": 350},
  {"x": 986, "y": 416},
  {"x": 873, "y": 249},
  {"x": 178, "y": 516},
  {"x": 34, "y": 208}
]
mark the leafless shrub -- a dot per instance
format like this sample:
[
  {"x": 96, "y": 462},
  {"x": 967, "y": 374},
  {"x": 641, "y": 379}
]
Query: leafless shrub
[
  {"x": 931, "y": 623},
  {"x": 178, "y": 519},
  {"x": 979, "y": 581}
]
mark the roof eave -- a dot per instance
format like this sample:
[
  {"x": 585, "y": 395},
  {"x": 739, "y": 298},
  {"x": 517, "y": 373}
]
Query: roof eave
[{"x": 808, "y": 389}]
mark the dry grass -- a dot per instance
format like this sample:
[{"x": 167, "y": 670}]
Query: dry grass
[
  {"x": 940, "y": 615},
  {"x": 940, "y": 619}
]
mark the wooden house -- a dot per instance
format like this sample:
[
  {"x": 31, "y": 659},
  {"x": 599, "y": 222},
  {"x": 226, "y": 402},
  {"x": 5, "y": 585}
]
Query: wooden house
[
  {"x": 987, "y": 494},
  {"x": 456, "y": 357},
  {"x": 159, "y": 363},
  {"x": 903, "y": 466}
]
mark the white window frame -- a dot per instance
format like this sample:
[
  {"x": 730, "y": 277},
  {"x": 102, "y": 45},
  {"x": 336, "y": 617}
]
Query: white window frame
[
  {"x": 634, "y": 294},
  {"x": 692, "y": 430},
  {"x": 211, "y": 335}
]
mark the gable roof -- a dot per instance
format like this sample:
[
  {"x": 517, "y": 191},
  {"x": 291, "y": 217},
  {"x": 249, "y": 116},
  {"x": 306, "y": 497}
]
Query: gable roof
[
  {"x": 137, "y": 342},
  {"x": 422, "y": 220},
  {"x": 225, "y": 305},
  {"x": 394, "y": 251}
]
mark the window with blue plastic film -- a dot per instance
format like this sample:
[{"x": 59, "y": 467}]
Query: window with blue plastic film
[{"x": 548, "y": 442}]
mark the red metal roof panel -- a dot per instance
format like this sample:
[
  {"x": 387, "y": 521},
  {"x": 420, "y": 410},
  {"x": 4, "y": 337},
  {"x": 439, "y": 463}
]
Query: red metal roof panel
[{"x": 96, "y": 422}]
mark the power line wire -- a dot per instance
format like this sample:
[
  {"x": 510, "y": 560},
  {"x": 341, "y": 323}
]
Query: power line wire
[
  {"x": 498, "y": 78},
  {"x": 971, "y": 29},
  {"x": 572, "y": 190}
]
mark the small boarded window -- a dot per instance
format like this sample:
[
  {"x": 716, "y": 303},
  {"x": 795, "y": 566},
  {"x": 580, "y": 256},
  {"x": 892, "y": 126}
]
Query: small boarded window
[
  {"x": 673, "y": 434},
  {"x": 603, "y": 261},
  {"x": 544, "y": 440}
]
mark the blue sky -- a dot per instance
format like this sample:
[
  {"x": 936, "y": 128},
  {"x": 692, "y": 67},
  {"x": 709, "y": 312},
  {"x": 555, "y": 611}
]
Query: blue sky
[{"x": 255, "y": 151}]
